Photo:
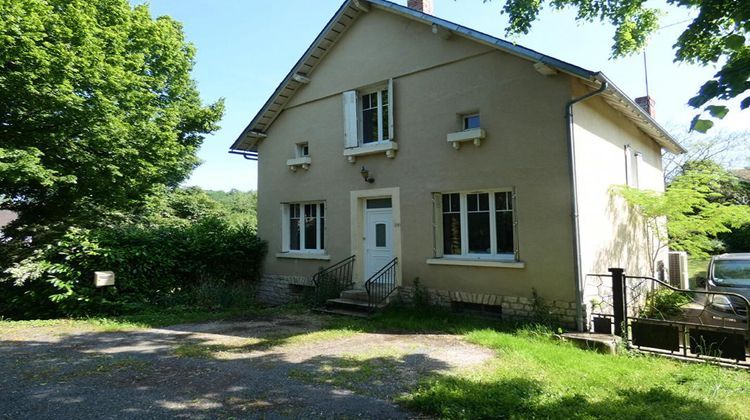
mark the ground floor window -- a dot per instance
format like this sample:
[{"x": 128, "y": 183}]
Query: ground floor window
[
  {"x": 303, "y": 227},
  {"x": 477, "y": 224}
]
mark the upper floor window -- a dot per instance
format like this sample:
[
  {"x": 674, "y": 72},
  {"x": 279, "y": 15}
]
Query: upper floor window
[
  {"x": 303, "y": 227},
  {"x": 477, "y": 224},
  {"x": 633, "y": 163},
  {"x": 368, "y": 115},
  {"x": 471, "y": 121},
  {"x": 374, "y": 116},
  {"x": 303, "y": 150}
]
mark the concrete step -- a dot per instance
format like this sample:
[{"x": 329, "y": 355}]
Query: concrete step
[
  {"x": 355, "y": 294},
  {"x": 602, "y": 343},
  {"x": 351, "y": 305},
  {"x": 339, "y": 311}
]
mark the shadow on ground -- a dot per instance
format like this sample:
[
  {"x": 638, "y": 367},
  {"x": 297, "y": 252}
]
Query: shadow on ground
[{"x": 234, "y": 371}]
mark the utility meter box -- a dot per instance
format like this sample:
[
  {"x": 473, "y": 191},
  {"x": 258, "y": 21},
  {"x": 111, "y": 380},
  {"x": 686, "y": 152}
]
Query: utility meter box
[{"x": 104, "y": 278}]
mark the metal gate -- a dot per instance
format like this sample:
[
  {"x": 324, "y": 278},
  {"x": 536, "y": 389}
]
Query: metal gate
[{"x": 654, "y": 316}]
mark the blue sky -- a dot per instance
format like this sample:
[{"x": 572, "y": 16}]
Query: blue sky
[{"x": 246, "y": 47}]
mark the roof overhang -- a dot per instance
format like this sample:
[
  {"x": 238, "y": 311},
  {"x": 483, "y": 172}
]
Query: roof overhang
[{"x": 348, "y": 13}]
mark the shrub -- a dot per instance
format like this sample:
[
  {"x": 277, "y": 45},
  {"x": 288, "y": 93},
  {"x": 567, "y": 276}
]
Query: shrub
[
  {"x": 663, "y": 303},
  {"x": 152, "y": 265}
]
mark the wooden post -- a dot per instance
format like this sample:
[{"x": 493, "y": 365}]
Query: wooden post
[{"x": 618, "y": 298}]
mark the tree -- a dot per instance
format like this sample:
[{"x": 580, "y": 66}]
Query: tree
[
  {"x": 718, "y": 34},
  {"x": 694, "y": 207},
  {"x": 726, "y": 148},
  {"x": 97, "y": 110}
]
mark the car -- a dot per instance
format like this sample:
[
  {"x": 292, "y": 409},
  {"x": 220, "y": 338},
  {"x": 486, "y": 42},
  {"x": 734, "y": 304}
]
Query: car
[{"x": 729, "y": 273}]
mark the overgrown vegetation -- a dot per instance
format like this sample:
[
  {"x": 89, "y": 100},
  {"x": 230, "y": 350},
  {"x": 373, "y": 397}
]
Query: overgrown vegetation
[
  {"x": 691, "y": 214},
  {"x": 664, "y": 303},
  {"x": 183, "y": 250},
  {"x": 101, "y": 121}
]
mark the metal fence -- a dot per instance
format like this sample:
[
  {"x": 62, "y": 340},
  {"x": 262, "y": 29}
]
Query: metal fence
[{"x": 654, "y": 316}]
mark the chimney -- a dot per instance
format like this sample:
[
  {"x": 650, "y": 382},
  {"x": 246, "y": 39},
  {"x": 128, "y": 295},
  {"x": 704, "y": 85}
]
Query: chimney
[
  {"x": 648, "y": 104},
  {"x": 424, "y": 6}
]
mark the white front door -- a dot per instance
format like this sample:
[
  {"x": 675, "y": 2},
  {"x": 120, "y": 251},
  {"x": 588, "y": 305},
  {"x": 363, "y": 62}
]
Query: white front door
[{"x": 378, "y": 246}]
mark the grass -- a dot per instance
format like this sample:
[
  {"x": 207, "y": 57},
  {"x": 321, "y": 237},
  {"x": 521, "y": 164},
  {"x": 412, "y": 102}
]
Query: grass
[
  {"x": 535, "y": 376},
  {"x": 532, "y": 375},
  {"x": 360, "y": 373},
  {"x": 225, "y": 350},
  {"x": 152, "y": 318},
  {"x": 697, "y": 267}
]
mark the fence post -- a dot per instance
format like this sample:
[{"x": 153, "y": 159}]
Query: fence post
[{"x": 618, "y": 301}]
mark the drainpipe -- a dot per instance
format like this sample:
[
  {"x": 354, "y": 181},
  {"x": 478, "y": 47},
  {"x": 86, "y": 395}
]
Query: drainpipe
[{"x": 580, "y": 322}]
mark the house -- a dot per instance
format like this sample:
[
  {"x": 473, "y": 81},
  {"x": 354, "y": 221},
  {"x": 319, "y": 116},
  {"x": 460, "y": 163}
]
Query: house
[
  {"x": 6, "y": 216},
  {"x": 482, "y": 167}
]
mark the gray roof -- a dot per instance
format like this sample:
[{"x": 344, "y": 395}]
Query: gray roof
[{"x": 348, "y": 13}]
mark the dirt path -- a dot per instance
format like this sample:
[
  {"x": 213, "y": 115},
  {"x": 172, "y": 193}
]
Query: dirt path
[{"x": 280, "y": 367}]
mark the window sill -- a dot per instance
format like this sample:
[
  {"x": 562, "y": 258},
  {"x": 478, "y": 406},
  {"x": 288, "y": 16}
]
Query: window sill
[
  {"x": 389, "y": 147},
  {"x": 477, "y": 263},
  {"x": 304, "y": 162},
  {"x": 303, "y": 256},
  {"x": 474, "y": 135}
]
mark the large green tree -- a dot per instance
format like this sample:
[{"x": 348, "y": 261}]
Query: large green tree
[
  {"x": 717, "y": 35},
  {"x": 97, "y": 110}
]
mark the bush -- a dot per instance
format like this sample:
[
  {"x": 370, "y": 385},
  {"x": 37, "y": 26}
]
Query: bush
[
  {"x": 153, "y": 265},
  {"x": 664, "y": 303}
]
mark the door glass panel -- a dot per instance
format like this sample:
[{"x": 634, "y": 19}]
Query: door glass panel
[
  {"x": 380, "y": 235},
  {"x": 379, "y": 203}
]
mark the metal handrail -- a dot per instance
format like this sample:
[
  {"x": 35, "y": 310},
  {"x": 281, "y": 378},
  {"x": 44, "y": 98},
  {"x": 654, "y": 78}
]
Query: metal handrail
[
  {"x": 348, "y": 260},
  {"x": 381, "y": 284},
  {"x": 339, "y": 278}
]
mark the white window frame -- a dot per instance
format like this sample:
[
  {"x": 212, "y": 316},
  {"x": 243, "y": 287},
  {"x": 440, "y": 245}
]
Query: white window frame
[
  {"x": 382, "y": 135},
  {"x": 353, "y": 121},
  {"x": 633, "y": 165},
  {"x": 286, "y": 228},
  {"x": 300, "y": 149},
  {"x": 637, "y": 166},
  {"x": 464, "y": 218}
]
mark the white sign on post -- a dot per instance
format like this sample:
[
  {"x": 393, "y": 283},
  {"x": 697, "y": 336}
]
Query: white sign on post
[{"x": 104, "y": 278}]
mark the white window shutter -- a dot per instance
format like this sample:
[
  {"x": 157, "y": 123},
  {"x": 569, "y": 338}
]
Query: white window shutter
[
  {"x": 391, "y": 111},
  {"x": 350, "y": 118},
  {"x": 285, "y": 228},
  {"x": 637, "y": 165},
  {"x": 628, "y": 166},
  {"x": 437, "y": 224}
]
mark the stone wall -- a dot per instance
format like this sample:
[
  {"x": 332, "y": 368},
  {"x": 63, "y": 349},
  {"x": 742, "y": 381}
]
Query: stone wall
[
  {"x": 513, "y": 307},
  {"x": 276, "y": 289}
]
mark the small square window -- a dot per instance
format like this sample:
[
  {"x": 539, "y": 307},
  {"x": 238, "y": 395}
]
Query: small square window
[
  {"x": 303, "y": 150},
  {"x": 471, "y": 121}
]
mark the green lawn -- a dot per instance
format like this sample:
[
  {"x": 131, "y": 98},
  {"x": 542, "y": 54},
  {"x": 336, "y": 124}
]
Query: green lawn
[
  {"x": 533, "y": 375},
  {"x": 152, "y": 318}
]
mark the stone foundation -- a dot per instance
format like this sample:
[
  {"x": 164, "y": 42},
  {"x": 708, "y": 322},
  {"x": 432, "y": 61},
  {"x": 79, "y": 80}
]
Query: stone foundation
[
  {"x": 513, "y": 307},
  {"x": 276, "y": 289}
]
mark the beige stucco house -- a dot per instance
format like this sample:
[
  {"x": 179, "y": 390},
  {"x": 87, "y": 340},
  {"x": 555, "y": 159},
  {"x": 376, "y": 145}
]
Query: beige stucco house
[{"x": 488, "y": 165}]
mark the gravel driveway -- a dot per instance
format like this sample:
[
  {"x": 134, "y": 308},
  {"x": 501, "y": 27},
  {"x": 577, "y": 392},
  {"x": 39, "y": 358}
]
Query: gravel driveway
[{"x": 278, "y": 367}]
